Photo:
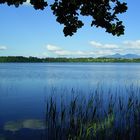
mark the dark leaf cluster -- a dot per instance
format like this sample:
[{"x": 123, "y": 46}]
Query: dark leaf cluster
[
  {"x": 38, "y": 4},
  {"x": 104, "y": 13}
]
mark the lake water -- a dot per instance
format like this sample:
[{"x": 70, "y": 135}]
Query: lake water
[{"x": 24, "y": 88}]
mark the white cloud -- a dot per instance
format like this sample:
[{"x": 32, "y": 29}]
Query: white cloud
[
  {"x": 124, "y": 47},
  {"x": 53, "y": 48},
  {"x": 58, "y": 51},
  {"x": 98, "y": 49},
  {"x": 132, "y": 44},
  {"x": 62, "y": 52},
  {"x": 103, "y": 46},
  {"x": 27, "y": 2},
  {"x": 96, "y": 44},
  {"x": 110, "y": 46},
  {"x": 3, "y": 48}
]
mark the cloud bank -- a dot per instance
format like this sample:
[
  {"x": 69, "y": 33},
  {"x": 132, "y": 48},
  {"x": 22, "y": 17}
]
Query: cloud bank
[
  {"x": 60, "y": 52},
  {"x": 98, "y": 49}
]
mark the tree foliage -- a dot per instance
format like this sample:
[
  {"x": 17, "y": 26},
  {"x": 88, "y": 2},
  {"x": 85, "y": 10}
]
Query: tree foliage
[
  {"x": 104, "y": 13},
  {"x": 21, "y": 59}
]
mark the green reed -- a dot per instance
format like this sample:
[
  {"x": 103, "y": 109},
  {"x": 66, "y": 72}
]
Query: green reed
[{"x": 94, "y": 117}]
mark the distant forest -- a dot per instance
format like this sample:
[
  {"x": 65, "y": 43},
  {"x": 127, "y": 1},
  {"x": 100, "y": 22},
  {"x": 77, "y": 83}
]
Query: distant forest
[{"x": 9, "y": 59}]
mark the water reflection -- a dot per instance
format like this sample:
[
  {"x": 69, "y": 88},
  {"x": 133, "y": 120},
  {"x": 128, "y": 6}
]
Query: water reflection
[{"x": 14, "y": 126}]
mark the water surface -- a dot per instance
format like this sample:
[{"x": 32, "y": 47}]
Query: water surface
[{"x": 24, "y": 88}]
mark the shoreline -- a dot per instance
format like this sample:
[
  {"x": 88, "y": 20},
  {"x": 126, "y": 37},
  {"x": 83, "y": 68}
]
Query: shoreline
[{"x": 21, "y": 59}]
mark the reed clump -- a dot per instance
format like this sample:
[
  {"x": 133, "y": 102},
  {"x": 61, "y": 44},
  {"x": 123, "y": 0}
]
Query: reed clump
[{"x": 109, "y": 115}]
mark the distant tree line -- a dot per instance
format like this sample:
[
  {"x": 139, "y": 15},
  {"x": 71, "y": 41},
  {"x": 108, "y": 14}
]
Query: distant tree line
[{"x": 21, "y": 59}]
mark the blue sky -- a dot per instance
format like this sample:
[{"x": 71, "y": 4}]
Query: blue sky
[{"x": 27, "y": 32}]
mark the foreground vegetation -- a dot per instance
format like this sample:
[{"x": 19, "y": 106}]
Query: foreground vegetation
[
  {"x": 8, "y": 59},
  {"x": 114, "y": 117},
  {"x": 97, "y": 114}
]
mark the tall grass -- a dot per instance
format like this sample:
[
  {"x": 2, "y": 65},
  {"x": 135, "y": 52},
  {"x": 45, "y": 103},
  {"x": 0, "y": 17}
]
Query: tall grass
[{"x": 103, "y": 115}]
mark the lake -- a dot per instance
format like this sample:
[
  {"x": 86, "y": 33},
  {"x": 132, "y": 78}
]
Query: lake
[{"x": 25, "y": 87}]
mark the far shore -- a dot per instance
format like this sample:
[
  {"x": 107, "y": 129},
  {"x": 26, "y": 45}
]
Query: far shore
[{"x": 22, "y": 59}]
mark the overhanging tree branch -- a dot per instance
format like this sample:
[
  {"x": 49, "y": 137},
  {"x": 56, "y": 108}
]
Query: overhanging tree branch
[{"x": 104, "y": 13}]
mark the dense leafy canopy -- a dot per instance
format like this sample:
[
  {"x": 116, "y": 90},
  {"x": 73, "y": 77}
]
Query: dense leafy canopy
[{"x": 104, "y": 13}]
